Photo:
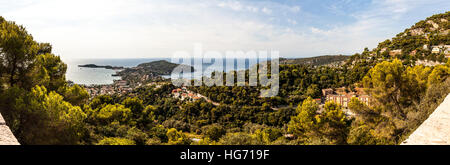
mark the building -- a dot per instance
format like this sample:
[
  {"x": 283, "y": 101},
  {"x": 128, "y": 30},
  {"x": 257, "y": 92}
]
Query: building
[
  {"x": 441, "y": 49},
  {"x": 436, "y": 50},
  {"x": 343, "y": 96},
  {"x": 425, "y": 47},
  {"x": 395, "y": 52},
  {"x": 184, "y": 94},
  {"x": 121, "y": 83}
]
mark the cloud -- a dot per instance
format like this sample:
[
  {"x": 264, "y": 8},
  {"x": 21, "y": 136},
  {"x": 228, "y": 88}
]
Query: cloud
[
  {"x": 158, "y": 28},
  {"x": 266, "y": 10},
  {"x": 291, "y": 21},
  {"x": 238, "y": 6},
  {"x": 295, "y": 9}
]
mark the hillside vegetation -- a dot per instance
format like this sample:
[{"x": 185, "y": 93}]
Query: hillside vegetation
[
  {"x": 413, "y": 44},
  {"x": 315, "y": 61}
]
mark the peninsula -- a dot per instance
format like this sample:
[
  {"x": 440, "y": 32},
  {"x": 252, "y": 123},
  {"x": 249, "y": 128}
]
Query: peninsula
[{"x": 101, "y": 66}]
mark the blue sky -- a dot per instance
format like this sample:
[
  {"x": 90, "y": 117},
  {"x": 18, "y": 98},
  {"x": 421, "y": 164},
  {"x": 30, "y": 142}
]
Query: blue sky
[{"x": 158, "y": 28}]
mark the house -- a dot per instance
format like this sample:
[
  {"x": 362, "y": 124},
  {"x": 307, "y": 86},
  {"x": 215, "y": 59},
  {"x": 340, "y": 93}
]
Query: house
[
  {"x": 342, "y": 96},
  {"x": 318, "y": 101},
  {"x": 436, "y": 50},
  {"x": 425, "y": 47},
  {"x": 196, "y": 98},
  {"x": 327, "y": 91},
  {"x": 121, "y": 83},
  {"x": 413, "y": 53},
  {"x": 441, "y": 48},
  {"x": 395, "y": 52},
  {"x": 289, "y": 136}
]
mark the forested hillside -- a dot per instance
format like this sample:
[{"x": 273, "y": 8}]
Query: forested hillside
[
  {"x": 315, "y": 61},
  {"x": 413, "y": 44}
]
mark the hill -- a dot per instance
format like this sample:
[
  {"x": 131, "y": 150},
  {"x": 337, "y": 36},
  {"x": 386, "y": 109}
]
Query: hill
[
  {"x": 161, "y": 67},
  {"x": 315, "y": 61},
  {"x": 427, "y": 40},
  {"x": 149, "y": 71}
]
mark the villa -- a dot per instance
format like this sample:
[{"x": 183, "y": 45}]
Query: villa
[{"x": 342, "y": 96}]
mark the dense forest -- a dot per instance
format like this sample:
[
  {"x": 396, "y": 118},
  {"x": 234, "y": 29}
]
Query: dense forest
[{"x": 40, "y": 107}]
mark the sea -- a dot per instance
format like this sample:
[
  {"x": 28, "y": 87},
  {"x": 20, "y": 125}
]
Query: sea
[{"x": 101, "y": 76}]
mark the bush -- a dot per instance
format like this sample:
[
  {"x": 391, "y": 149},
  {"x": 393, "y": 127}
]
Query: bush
[
  {"x": 214, "y": 132},
  {"x": 115, "y": 141}
]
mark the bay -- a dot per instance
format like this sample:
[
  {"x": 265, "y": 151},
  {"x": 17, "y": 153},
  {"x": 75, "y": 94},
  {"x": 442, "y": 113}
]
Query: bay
[{"x": 101, "y": 76}]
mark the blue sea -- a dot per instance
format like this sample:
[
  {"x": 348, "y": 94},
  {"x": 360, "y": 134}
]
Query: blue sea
[{"x": 101, "y": 76}]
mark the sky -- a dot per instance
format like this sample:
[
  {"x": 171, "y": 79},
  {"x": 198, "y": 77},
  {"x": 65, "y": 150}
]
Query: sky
[{"x": 159, "y": 28}]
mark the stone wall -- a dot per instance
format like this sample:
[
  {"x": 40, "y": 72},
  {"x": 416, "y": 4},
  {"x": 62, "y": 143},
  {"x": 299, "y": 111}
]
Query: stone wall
[
  {"x": 6, "y": 136},
  {"x": 435, "y": 130}
]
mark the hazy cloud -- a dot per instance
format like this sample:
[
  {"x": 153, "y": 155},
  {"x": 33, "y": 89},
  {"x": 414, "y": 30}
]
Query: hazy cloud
[{"x": 158, "y": 28}]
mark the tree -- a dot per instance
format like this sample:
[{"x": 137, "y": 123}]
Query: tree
[
  {"x": 215, "y": 132},
  {"x": 240, "y": 138},
  {"x": 160, "y": 132},
  {"x": 333, "y": 124},
  {"x": 305, "y": 123},
  {"x": 43, "y": 117},
  {"x": 313, "y": 91},
  {"x": 416, "y": 80},
  {"x": 111, "y": 113},
  {"x": 100, "y": 102},
  {"x": 50, "y": 71},
  {"x": 370, "y": 126},
  {"x": 268, "y": 135},
  {"x": 137, "y": 135},
  {"x": 177, "y": 137},
  {"x": 439, "y": 74},
  {"x": 18, "y": 51},
  {"x": 76, "y": 95},
  {"x": 385, "y": 82},
  {"x": 115, "y": 141},
  {"x": 135, "y": 104},
  {"x": 328, "y": 127}
]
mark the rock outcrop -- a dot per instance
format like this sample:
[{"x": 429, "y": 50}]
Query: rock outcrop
[
  {"x": 6, "y": 136},
  {"x": 435, "y": 130}
]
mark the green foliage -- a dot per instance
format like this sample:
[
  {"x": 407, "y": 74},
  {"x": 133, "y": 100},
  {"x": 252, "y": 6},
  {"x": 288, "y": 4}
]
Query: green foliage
[
  {"x": 238, "y": 139},
  {"x": 115, "y": 141},
  {"x": 302, "y": 124},
  {"x": 385, "y": 83},
  {"x": 135, "y": 104},
  {"x": 315, "y": 61},
  {"x": 439, "y": 74},
  {"x": 161, "y": 133},
  {"x": 42, "y": 117},
  {"x": 268, "y": 135},
  {"x": 101, "y": 101},
  {"x": 177, "y": 137},
  {"x": 137, "y": 136},
  {"x": 328, "y": 127},
  {"x": 50, "y": 71},
  {"x": 370, "y": 126},
  {"x": 111, "y": 113},
  {"x": 333, "y": 124},
  {"x": 18, "y": 50},
  {"x": 76, "y": 95},
  {"x": 215, "y": 132},
  {"x": 313, "y": 91}
]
